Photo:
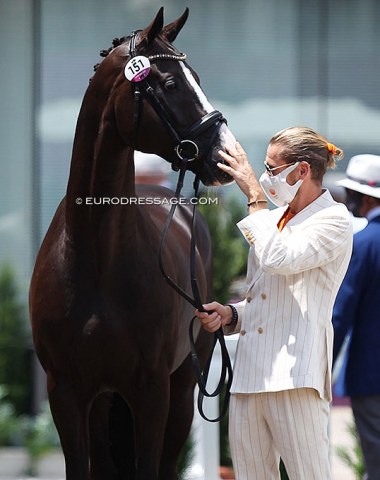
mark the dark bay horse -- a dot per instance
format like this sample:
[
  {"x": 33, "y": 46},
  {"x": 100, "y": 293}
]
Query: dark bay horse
[{"x": 103, "y": 318}]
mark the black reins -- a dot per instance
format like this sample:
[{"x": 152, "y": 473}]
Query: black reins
[
  {"x": 186, "y": 150},
  {"x": 225, "y": 379}
]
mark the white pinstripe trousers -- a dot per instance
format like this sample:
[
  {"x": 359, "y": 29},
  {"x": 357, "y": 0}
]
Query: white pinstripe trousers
[{"x": 291, "y": 424}]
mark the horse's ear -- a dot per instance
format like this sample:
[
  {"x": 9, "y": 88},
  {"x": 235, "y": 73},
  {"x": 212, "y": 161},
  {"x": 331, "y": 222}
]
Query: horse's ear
[
  {"x": 152, "y": 30},
  {"x": 172, "y": 30}
]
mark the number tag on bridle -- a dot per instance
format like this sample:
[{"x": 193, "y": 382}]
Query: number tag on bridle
[{"x": 137, "y": 68}]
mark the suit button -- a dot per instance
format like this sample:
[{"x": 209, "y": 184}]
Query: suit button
[
  {"x": 263, "y": 296},
  {"x": 243, "y": 332},
  {"x": 249, "y": 299},
  {"x": 260, "y": 330}
]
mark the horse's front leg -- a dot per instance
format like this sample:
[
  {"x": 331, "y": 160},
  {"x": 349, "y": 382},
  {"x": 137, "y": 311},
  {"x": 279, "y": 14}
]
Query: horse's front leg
[
  {"x": 150, "y": 410},
  {"x": 181, "y": 411},
  {"x": 179, "y": 419},
  {"x": 70, "y": 409}
]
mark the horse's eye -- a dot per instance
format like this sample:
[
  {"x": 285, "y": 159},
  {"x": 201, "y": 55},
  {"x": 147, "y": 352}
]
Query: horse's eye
[{"x": 170, "y": 84}]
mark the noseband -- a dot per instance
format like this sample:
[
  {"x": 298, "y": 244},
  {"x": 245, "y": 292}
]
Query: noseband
[{"x": 186, "y": 147}]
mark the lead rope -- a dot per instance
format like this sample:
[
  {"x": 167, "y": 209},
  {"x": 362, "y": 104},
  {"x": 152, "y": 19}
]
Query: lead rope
[{"x": 201, "y": 376}]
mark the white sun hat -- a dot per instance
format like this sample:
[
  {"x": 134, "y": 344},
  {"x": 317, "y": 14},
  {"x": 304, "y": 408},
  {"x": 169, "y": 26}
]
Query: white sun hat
[
  {"x": 151, "y": 164},
  {"x": 363, "y": 175}
]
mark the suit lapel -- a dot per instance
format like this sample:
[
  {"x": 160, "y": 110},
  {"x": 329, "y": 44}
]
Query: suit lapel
[{"x": 323, "y": 201}]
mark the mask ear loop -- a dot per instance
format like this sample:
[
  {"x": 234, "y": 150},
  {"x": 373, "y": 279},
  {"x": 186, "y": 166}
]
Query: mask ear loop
[
  {"x": 297, "y": 184},
  {"x": 284, "y": 174}
]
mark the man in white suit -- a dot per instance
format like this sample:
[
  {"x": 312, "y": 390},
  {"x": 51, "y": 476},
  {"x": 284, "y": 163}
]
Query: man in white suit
[{"x": 298, "y": 257}]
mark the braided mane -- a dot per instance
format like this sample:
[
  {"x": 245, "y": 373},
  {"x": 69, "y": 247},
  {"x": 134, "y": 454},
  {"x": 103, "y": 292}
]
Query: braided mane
[{"x": 115, "y": 43}]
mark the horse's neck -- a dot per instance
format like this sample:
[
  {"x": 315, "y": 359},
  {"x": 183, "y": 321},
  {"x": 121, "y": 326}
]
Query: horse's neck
[{"x": 101, "y": 169}]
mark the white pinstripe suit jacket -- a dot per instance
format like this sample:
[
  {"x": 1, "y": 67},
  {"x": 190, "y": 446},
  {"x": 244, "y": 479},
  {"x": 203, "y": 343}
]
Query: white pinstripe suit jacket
[{"x": 286, "y": 334}]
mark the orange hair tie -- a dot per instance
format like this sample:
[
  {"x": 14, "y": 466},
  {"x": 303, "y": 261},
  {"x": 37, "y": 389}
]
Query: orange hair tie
[{"x": 331, "y": 148}]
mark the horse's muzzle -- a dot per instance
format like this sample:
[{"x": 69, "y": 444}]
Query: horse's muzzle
[{"x": 209, "y": 172}]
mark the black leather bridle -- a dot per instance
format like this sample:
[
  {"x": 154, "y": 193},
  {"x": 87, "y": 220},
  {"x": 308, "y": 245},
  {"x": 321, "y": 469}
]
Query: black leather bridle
[
  {"x": 185, "y": 145},
  {"x": 187, "y": 151}
]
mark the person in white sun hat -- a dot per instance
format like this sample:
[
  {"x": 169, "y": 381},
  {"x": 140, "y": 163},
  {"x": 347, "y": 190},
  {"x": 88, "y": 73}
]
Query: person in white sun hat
[
  {"x": 357, "y": 309},
  {"x": 362, "y": 178},
  {"x": 150, "y": 169}
]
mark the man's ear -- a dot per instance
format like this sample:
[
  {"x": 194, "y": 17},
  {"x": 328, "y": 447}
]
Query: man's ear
[{"x": 304, "y": 169}]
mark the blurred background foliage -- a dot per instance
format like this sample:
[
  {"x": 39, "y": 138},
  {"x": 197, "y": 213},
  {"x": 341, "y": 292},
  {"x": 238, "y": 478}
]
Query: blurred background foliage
[
  {"x": 15, "y": 372},
  {"x": 18, "y": 428},
  {"x": 229, "y": 248}
]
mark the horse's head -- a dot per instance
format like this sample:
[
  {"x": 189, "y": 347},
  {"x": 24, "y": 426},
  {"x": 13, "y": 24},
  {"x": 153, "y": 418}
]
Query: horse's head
[{"x": 159, "y": 106}]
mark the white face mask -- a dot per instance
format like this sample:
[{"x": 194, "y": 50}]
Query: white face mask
[{"x": 277, "y": 189}]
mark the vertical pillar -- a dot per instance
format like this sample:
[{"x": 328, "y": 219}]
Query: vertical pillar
[{"x": 206, "y": 460}]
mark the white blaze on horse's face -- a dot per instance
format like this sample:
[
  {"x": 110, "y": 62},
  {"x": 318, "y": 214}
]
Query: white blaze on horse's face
[
  {"x": 199, "y": 92},
  {"x": 225, "y": 134}
]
